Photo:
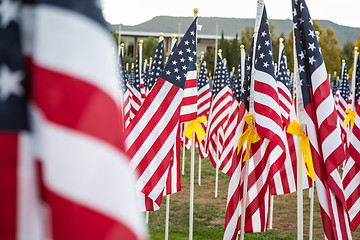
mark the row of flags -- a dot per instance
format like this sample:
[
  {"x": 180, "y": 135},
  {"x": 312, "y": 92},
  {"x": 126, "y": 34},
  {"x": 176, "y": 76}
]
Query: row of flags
[
  {"x": 81, "y": 156},
  {"x": 250, "y": 116}
]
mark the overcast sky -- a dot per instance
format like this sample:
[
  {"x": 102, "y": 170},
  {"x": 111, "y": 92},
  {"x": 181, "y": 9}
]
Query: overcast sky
[{"x": 129, "y": 12}]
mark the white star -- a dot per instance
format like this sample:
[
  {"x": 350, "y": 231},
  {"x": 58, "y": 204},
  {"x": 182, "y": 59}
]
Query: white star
[
  {"x": 301, "y": 7},
  {"x": 182, "y": 60},
  {"x": 168, "y": 72},
  {"x": 312, "y": 46},
  {"x": 263, "y": 34},
  {"x": 262, "y": 55},
  {"x": 192, "y": 33},
  {"x": 266, "y": 64},
  {"x": 181, "y": 52},
  {"x": 10, "y": 82},
  {"x": 311, "y": 33},
  {"x": 9, "y": 11},
  {"x": 294, "y": 12},
  {"x": 176, "y": 70},
  {"x": 186, "y": 42},
  {"x": 301, "y": 68},
  {"x": 184, "y": 67},
  {"x": 174, "y": 62},
  {"x": 191, "y": 59},
  {"x": 259, "y": 47},
  {"x": 301, "y": 55},
  {"x": 178, "y": 78},
  {"x": 270, "y": 53},
  {"x": 267, "y": 43},
  {"x": 312, "y": 60},
  {"x": 188, "y": 50}
]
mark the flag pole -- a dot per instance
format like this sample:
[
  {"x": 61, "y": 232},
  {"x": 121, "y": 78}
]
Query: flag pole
[
  {"x": 199, "y": 180},
  {"x": 167, "y": 212},
  {"x": 216, "y": 47},
  {"x": 192, "y": 167},
  {"x": 353, "y": 80},
  {"x": 217, "y": 166},
  {"x": 183, "y": 158},
  {"x": 300, "y": 120}
]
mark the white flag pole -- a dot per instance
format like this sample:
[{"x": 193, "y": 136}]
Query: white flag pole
[
  {"x": 199, "y": 179},
  {"x": 353, "y": 80},
  {"x": 167, "y": 213},
  {"x": 259, "y": 11},
  {"x": 119, "y": 38},
  {"x": 183, "y": 158},
  {"x": 301, "y": 121},
  {"x": 192, "y": 167},
  {"x": 147, "y": 217},
  {"x": 311, "y": 212},
  {"x": 217, "y": 166},
  {"x": 167, "y": 217}
]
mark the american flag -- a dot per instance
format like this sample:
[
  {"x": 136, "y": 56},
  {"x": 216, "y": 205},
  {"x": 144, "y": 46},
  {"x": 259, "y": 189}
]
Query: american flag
[
  {"x": 136, "y": 84},
  {"x": 17, "y": 178},
  {"x": 77, "y": 132},
  {"x": 219, "y": 110},
  {"x": 144, "y": 79},
  {"x": 269, "y": 153},
  {"x": 124, "y": 79},
  {"x": 204, "y": 101},
  {"x": 235, "y": 188},
  {"x": 335, "y": 84},
  {"x": 320, "y": 115},
  {"x": 157, "y": 65},
  {"x": 233, "y": 127},
  {"x": 285, "y": 180},
  {"x": 152, "y": 133},
  {"x": 343, "y": 98},
  {"x": 351, "y": 173}
]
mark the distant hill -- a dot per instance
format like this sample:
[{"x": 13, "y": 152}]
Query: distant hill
[{"x": 230, "y": 26}]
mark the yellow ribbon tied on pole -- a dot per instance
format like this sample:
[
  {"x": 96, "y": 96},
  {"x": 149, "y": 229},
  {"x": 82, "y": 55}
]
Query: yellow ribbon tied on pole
[
  {"x": 250, "y": 135},
  {"x": 349, "y": 117},
  {"x": 295, "y": 129},
  {"x": 194, "y": 125}
]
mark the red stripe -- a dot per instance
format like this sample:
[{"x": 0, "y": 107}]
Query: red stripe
[
  {"x": 87, "y": 112},
  {"x": 8, "y": 184},
  {"x": 73, "y": 221}
]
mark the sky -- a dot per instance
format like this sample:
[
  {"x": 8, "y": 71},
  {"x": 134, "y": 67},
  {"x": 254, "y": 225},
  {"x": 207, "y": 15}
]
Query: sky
[{"x": 128, "y": 12}]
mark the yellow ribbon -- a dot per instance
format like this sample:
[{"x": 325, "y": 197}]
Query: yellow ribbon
[
  {"x": 250, "y": 135},
  {"x": 349, "y": 117},
  {"x": 295, "y": 129},
  {"x": 194, "y": 125}
]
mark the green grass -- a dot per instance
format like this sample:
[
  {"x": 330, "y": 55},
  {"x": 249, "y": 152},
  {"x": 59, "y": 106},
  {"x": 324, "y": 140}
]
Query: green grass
[{"x": 209, "y": 213}]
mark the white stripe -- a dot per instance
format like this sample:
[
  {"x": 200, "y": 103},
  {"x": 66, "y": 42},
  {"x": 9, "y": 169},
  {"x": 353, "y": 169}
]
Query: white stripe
[
  {"x": 311, "y": 131},
  {"x": 30, "y": 220},
  {"x": 56, "y": 51},
  {"x": 93, "y": 186},
  {"x": 155, "y": 162},
  {"x": 156, "y": 103},
  {"x": 331, "y": 142},
  {"x": 318, "y": 77},
  {"x": 157, "y": 131},
  {"x": 187, "y": 109},
  {"x": 325, "y": 108}
]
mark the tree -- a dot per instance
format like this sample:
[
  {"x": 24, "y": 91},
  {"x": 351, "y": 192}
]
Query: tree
[
  {"x": 347, "y": 53},
  {"x": 246, "y": 38},
  {"x": 149, "y": 47},
  {"x": 289, "y": 51},
  {"x": 234, "y": 54},
  {"x": 210, "y": 60},
  {"x": 330, "y": 52}
]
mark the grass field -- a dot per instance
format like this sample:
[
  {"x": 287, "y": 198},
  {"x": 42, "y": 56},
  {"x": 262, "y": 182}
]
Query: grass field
[{"x": 209, "y": 212}]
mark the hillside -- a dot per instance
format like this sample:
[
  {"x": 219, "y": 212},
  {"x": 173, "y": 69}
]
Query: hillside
[{"x": 230, "y": 26}]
